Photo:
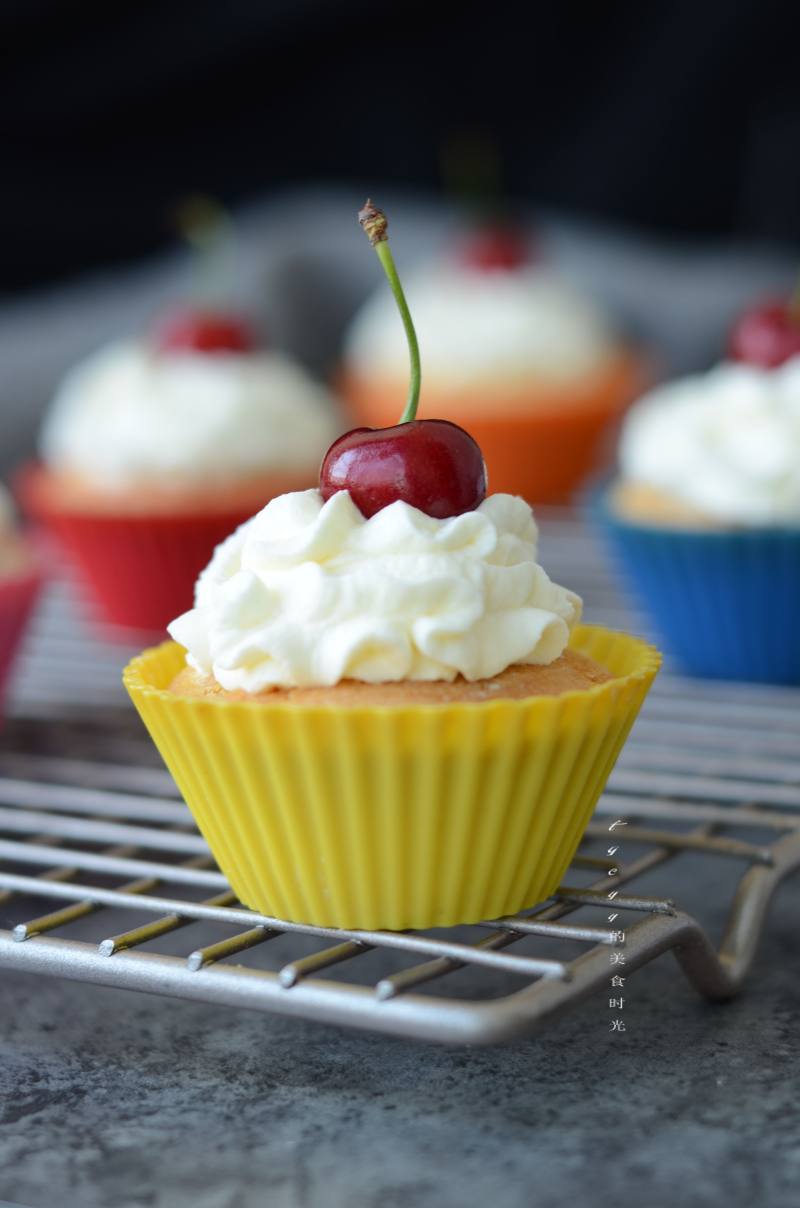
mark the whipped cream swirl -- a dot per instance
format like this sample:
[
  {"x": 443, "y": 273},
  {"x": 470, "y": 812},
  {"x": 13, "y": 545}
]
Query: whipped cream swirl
[
  {"x": 726, "y": 443},
  {"x": 311, "y": 593},
  {"x": 483, "y": 325},
  {"x": 130, "y": 411}
]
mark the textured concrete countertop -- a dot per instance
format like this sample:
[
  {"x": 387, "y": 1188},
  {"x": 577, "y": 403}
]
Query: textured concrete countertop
[{"x": 113, "y": 1098}]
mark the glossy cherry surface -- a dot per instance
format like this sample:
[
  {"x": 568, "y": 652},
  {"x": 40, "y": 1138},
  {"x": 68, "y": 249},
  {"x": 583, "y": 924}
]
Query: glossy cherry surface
[
  {"x": 429, "y": 463},
  {"x": 496, "y": 247},
  {"x": 204, "y": 331},
  {"x": 768, "y": 334}
]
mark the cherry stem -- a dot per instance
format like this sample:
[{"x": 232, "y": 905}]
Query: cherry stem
[
  {"x": 374, "y": 223},
  {"x": 207, "y": 229}
]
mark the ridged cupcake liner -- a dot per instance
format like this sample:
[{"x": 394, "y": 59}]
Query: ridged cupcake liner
[
  {"x": 724, "y": 602},
  {"x": 140, "y": 569},
  {"x": 396, "y": 816},
  {"x": 18, "y": 595}
]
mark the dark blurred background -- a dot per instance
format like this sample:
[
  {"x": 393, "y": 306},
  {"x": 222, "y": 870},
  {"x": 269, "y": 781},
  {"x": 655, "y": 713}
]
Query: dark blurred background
[
  {"x": 681, "y": 118},
  {"x": 655, "y": 148}
]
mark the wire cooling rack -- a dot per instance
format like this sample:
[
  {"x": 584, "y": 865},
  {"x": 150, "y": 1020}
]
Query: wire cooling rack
[{"x": 104, "y": 879}]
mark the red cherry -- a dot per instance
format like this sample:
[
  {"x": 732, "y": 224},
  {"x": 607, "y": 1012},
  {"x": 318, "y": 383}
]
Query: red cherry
[
  {"x": 494, "y": 247},
  {"x": 430, "y": 463},
  {"x": 204, "y": 331},
  {"x": 768, "y": 334}
]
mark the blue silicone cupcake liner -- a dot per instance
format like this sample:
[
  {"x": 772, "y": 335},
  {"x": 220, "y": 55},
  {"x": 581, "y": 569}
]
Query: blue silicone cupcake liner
[{"x": 725, "y": 603}]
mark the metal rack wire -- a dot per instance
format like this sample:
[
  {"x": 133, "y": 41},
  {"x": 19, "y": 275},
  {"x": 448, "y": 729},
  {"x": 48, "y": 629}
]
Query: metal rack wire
[{"x": 104, "y": 879}]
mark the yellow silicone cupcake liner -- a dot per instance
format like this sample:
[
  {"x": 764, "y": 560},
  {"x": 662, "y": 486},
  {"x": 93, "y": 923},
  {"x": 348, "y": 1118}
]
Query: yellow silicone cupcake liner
[{"x": 395, "y": 816}]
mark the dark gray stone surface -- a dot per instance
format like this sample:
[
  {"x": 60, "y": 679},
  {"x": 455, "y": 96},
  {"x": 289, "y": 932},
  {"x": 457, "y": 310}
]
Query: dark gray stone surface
[{"x": 112, "y": 1098}]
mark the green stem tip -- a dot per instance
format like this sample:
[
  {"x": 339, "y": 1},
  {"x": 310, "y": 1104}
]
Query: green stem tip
[
  {"x": 207, "y": 229},
  {"x": 375, "y": 225}
]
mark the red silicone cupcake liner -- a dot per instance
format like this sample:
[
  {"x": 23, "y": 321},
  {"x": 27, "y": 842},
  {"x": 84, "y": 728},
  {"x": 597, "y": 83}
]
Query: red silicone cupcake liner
[
  {"x": 17, "y": 598},
  {"x": 140, "y": 570}
]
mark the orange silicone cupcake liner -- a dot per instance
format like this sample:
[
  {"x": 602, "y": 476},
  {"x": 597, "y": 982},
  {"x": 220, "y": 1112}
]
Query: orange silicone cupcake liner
[{"x": 540, "y": 444}]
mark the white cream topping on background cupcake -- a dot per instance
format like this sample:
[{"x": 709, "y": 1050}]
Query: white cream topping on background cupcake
[
  {"x": 726, "y": 443},
  {"x": 311, "y": 593},
  {"x": 473, "y": 325},
  {"x": 130, "y": 411}
]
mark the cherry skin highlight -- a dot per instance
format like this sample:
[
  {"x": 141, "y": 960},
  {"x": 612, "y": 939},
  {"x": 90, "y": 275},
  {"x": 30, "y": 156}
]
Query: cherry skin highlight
[
  {"x": 204, "y": 331},
  {"x": 430, "y": 464},
  {"x": 766, "y": 335}
]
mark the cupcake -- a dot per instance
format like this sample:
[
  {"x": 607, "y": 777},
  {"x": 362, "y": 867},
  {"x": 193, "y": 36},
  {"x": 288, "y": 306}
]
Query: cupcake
[
  {"x": 20, "y": 579},
  {"x": 532, "y": 367},
  {"x": 705, "y": 517},
  {"x": 381, "y": 711},
  {"x": 153, "y": 450},
  {"x": 391, "y": 721}
]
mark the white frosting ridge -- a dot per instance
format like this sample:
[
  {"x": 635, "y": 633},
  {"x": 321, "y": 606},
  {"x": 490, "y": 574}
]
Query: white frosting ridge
[
  {"x": 130, "y": 411},
  {"x": 310, "y": 593},
  {"x": 473, "y": 325},
  {"x": 727, "y": 443}
]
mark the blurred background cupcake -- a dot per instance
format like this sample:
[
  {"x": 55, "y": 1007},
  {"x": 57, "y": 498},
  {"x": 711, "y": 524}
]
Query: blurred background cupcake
[
  {"x": 661, "y": 250},
  {"x": 155, "y": 447},
  {"x": 705, "y": 512},
  {"x": 20, "y": 579},
  {"x": 529, "y": 363}
]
